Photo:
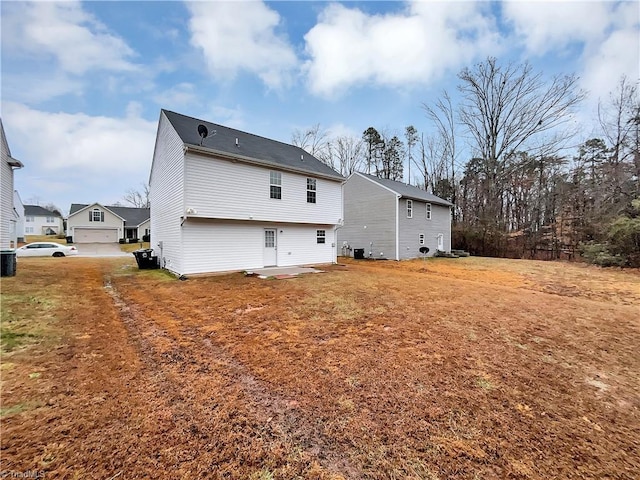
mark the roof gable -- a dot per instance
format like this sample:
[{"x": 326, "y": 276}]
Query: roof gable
[
  {"x": 132, "y": 216},
  {"x": 406, "y": 191},
  {"x": 248, "y": 146}
]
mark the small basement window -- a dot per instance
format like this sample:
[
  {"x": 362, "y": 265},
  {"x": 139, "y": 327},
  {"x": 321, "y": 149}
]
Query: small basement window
[
  {"x": 421, "y": 239},
  {"x": 321, "y": 236},
  {"x": 275, "y": 185},
  {"x": 409, "y": 208}
]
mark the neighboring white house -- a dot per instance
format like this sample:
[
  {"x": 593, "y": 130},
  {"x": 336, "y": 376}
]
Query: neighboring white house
[
  {"x": 18, "y": 207},
  {"x": 389, "y": 219},
  {"x": 41, "y": 221},
  {"x": 8, "y": 216},
  {"x": 230, "y": 200},
  {"x": 95, "y": 223}
]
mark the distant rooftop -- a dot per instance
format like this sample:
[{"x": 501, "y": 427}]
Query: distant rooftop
[
  {"x": 408, "y": 191},
  {"x": 38, "y": 211},
  {"x": 132, "y": 215}
]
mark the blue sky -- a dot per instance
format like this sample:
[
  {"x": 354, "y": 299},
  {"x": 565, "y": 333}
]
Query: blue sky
[{"x": 83, "y": 82}]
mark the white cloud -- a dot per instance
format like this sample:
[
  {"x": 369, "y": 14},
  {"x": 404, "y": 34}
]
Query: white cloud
[
  {"x": 178, "y": 96},
  {"x": 616, "y": 55},
  {"x": 65, "y": 31},
  {"x": 545, "y": 26},
  {"x": 428, "y": 39},
  {"x": 95, "y": 156},
  {"x": 242, "y": 36},
  {"x": 607, "y": 33}
]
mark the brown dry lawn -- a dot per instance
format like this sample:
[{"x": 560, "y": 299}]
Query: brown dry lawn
[{"x": 451, "y": 368}]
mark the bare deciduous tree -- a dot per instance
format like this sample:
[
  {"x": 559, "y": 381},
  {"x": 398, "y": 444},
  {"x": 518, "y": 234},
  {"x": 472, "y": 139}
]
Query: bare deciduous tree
[
  {"x": 348, "y": 152},
  {"x": 138, "y": 198},
  {"x": 314, "y": 140},
  {"x": 509, "y": 108}
]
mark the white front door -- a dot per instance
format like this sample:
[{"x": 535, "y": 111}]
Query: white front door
[
  {"x": 270, "y": 248},
  {"x": 441, "y": 242}
]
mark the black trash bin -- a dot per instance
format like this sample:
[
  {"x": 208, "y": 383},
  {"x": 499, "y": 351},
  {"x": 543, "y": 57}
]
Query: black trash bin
[
  {"x": 8, "y": 262},
  {"x": 146, "y": 259},
  {"x": 358, "y": 253}
]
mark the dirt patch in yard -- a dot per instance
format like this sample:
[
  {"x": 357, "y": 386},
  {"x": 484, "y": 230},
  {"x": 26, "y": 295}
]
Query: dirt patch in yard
[{"x": 446, "y": 368}]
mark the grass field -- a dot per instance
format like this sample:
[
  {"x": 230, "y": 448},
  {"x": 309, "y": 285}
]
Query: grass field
[{"x": 450, "y": 368}]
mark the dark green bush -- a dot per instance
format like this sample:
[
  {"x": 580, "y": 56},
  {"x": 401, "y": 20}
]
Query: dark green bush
[{"x": 600, "y": 254}]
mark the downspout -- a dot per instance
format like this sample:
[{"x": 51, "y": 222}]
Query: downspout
[{"x": 398, "y": 227}]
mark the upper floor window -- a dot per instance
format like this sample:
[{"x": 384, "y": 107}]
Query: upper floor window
[
  {"x": 275, "y": 185},
  {"x": 311, "y": 190},
  {"x": 51, "y": 220},
  {"x": 428, "y": 211},
  {"x": 96, "y": 215},
  {"x": 321, "y": 236},
  {"x": 409, "y": 208},
  {"x": 28, "y": 219}
]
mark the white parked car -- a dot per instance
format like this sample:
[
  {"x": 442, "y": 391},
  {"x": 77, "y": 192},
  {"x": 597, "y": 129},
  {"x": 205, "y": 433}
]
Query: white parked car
[{"x": 45, "y": 249}]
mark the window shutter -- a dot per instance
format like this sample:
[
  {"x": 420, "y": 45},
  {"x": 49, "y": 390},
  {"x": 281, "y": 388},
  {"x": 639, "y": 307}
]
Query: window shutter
[
  {"x": 90, "y": 216},
  {"x": 102, "y": 216}
]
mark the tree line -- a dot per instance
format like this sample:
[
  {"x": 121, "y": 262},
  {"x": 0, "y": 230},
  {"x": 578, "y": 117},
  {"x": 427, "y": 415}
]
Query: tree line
[{"x": 510, "y": 152}]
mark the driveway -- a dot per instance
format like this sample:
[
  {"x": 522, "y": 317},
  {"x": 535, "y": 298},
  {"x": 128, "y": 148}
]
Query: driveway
[{"x": 100, "y": 250}]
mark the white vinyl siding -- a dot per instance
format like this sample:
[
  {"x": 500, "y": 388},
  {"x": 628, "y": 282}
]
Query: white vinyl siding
[
  {"x": 80, "y": 220},
  {"x": 41, "y": 224},
  {"x": 6, "y": 197},
  {"x": 167, "y": 196},
  {"x": 218, "y": 246},
  {"x": 223, "y": 189}
]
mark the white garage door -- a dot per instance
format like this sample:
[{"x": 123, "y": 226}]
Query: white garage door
[{"x": 98, "y": 235}]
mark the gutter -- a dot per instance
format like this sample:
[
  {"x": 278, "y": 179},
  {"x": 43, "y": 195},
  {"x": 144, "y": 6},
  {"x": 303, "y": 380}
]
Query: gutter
[{"x": 14, "y": 163}]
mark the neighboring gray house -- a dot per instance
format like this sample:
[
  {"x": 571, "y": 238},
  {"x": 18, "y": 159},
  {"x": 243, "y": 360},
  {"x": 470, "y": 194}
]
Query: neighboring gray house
[
  {"x": 392, "y": 220},
  {"x": 95, "y": 223},
  {"x": 8, "y": 216},
  {"x": 18, "y": 207},
  {"x": 230, "y": 200},
  {"x": 41, "y": 221}
]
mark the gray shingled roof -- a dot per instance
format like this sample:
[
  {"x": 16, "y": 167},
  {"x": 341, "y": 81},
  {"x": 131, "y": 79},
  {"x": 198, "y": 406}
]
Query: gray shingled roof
[
  {"x": 132, "y": 216},
  {"x": 408, "y": 191},
  {"x": 249, "y": 145},
  {"x": 38, "y": 211}
]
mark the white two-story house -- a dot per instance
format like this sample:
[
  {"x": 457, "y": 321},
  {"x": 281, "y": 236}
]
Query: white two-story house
[
  {"x": 41, "y": 221},
  {"x": 226, "y": 200}
]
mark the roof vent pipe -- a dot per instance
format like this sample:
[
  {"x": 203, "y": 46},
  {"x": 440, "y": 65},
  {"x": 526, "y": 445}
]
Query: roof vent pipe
[
  {"x": 237, "y": 143},
  {"x": 302, "y": 158}
]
